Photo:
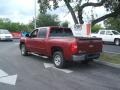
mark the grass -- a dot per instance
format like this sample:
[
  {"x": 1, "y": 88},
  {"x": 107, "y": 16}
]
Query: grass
[{"x": 112, "y": 58}]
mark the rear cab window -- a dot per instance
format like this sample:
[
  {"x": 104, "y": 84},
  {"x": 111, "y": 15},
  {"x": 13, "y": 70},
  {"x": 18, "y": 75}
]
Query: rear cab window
[{"x": 61, "y": 32}]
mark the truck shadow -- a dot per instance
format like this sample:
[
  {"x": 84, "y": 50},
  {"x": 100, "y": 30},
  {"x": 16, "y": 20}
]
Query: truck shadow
[
  {"x": 78, "y": 66},
  {"x": 69, "y": 65}
]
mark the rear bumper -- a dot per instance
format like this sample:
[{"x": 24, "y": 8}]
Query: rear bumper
[
  {"x": 84, "y": 57},
  {"x": 6, "y": 38}
]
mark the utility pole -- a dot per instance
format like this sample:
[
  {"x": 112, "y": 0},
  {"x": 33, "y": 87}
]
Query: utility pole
[{"x": 35, "y": 14}]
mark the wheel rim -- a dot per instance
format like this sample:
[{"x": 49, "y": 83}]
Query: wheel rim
[
  {"x": 57, "y": 60},
  {"x": 23, "y": 49},
  {"x": 117, "y": 42}
]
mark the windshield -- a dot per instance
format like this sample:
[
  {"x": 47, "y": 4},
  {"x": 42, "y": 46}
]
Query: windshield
[
  {"x": 116, "y": 32},
  {"x": 4, "y": 32}
]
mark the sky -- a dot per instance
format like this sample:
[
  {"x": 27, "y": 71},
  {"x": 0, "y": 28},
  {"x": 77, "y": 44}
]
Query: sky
[
  {"x": 17, "y": 10},
  {"x": 23, "y": 11}
]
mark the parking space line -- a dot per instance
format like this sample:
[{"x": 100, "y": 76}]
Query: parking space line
[
  {"x": 2, "y": 73},
  {"x": 111, "y": 52},
  {"x": 49, "y": 65}
]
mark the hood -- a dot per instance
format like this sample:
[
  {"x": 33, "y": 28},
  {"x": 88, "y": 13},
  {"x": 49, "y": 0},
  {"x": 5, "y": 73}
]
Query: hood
[{"x": 4, "y": 35}]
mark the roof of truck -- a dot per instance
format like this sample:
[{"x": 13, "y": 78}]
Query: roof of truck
[{"x": 51, "y": 27}]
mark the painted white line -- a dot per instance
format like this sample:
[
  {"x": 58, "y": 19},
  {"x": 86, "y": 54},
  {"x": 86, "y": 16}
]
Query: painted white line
[
  {"x": 9, "y": 80},
  {"x": 5, "y": 78},
  {"x": 111, "y": 52},
  {"x": 2, "y": 73},
  {"x": 63, "y": 70},
  {"x": 49, "y": 65}
]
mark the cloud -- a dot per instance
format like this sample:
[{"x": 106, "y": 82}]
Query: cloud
[
  {"x": 17, "y": 10},
  {"x": 23, "y": 11}
]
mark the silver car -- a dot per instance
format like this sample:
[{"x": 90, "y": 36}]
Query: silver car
[{"x": 5, "y": 35}]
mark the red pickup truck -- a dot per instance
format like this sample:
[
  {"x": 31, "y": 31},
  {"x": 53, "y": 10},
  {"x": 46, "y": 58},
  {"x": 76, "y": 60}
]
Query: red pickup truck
[{"x": 59, "y": 44}]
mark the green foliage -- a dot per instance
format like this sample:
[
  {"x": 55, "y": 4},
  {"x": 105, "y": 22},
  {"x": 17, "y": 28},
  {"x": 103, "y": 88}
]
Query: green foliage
[
  {"x": 113, "y": 23},
  {"x": 79, "y": 5},
  {"x": 46, "y": 20},
  {"x": 65, "y": 24},
  {"x": 13, "y": 27},
  {"x": 96, "y": 28},
  {"x": 45, "y": 4}
]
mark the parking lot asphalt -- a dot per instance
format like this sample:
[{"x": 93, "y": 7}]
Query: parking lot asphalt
[
  {"x": 111, "y": 48},
  {"x": 33, "y": 75}
]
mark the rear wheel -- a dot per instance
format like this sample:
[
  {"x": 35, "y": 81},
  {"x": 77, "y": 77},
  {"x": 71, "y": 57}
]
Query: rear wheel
[
  {"x": 58, "y": 59},
  {"x": 117, "y": 42},
  {"x": 23, "y": 50}
]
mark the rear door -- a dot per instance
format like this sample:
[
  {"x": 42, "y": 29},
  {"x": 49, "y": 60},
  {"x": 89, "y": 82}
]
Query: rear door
[
  {"x": 109, "y": 36},
  {"x": 102, "y": 34}
]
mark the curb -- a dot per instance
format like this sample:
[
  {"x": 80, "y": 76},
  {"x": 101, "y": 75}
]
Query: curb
[{"x": 108, "y": 64}]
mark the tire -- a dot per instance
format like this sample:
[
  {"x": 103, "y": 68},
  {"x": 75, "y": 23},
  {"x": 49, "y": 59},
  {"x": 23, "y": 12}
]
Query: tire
[
  {"x": 23, "y": 50},
  {"x": 117, "y": 42},
  {"x": 58, "y": 59}
]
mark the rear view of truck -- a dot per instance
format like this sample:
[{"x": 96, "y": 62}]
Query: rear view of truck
[{"x": 87, "y": 49}]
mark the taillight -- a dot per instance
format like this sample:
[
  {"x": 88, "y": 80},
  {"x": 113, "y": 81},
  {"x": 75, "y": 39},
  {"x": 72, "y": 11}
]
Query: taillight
[{"x": 74, "y": 48}]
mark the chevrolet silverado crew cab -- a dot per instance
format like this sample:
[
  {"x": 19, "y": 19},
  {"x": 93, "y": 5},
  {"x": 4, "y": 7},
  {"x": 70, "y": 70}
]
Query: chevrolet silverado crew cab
[
  {"x": 60, "y": 45},
  {"x": 108, "y": 36}
]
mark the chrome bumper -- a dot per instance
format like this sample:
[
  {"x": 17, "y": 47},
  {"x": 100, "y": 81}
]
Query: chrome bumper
[{"x": 85, "y": 57}]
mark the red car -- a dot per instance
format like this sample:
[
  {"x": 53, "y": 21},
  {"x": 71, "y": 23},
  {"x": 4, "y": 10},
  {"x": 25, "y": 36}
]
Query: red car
[{"x": 59, "y": 44}]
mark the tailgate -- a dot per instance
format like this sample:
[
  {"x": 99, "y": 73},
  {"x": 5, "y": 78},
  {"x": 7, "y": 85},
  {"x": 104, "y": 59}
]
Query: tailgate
[{"x": 89, "y": 45}]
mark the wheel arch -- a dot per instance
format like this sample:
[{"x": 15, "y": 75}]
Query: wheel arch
[
  {"x": 116, "y": 39},
  {"x": 21, "y": 44},
  {"x": 56, "y": 48}
]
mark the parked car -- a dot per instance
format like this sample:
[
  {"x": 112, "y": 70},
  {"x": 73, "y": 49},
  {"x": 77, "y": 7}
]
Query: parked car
[
  {"x": 5, "y": 35},
  {"x": 108, "y": 36},
  {"x": 59, "y": 44}
]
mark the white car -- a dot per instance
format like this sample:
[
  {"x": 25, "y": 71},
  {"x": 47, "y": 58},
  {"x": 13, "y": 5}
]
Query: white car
[
  {"x": 5, "y": 35},
  {"x": 108, "y": 36}
]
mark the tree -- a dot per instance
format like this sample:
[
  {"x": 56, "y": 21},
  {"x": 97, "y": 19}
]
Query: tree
[
  {"x": 65, "y": 24},
  {"x": 96, "y": 28},
  {"x": 113, "y": 6},
  {"x": 113, "y": 23},
  {"x": 12, "y": 26},
  {"x": 46, "y": 20}
]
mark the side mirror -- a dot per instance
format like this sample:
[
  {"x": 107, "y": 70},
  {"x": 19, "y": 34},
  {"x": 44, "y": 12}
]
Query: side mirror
[{"x": 27, "y": 35}]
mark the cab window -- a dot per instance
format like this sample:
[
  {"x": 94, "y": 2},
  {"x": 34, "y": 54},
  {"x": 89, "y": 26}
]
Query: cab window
[
  {"x": 42, "y": 33},
  {"x": 102, "y": 32},
  {"x": 108, "y": 33},
  {"x": 34, "y": 34}
]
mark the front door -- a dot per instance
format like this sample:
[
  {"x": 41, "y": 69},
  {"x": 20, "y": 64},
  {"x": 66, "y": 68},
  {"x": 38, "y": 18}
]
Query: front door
[
  {"x": 42, "y": 35},
  {"x": 32, "y": 41}
]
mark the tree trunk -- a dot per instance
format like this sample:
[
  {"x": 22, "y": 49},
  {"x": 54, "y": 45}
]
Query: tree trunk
[{"x": 71, "y": 11}]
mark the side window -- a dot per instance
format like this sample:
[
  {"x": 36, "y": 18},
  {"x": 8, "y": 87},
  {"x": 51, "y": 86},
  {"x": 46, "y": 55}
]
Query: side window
[
  {"x": 108, "y": 33},
  {"x": 34, "y": 34},
  {"x": 102, "y": 32},
  {"x": 42, "y": 33}
]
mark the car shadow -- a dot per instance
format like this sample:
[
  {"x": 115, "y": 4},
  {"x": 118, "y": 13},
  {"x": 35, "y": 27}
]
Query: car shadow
[{"x": 69, "y": 65}]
